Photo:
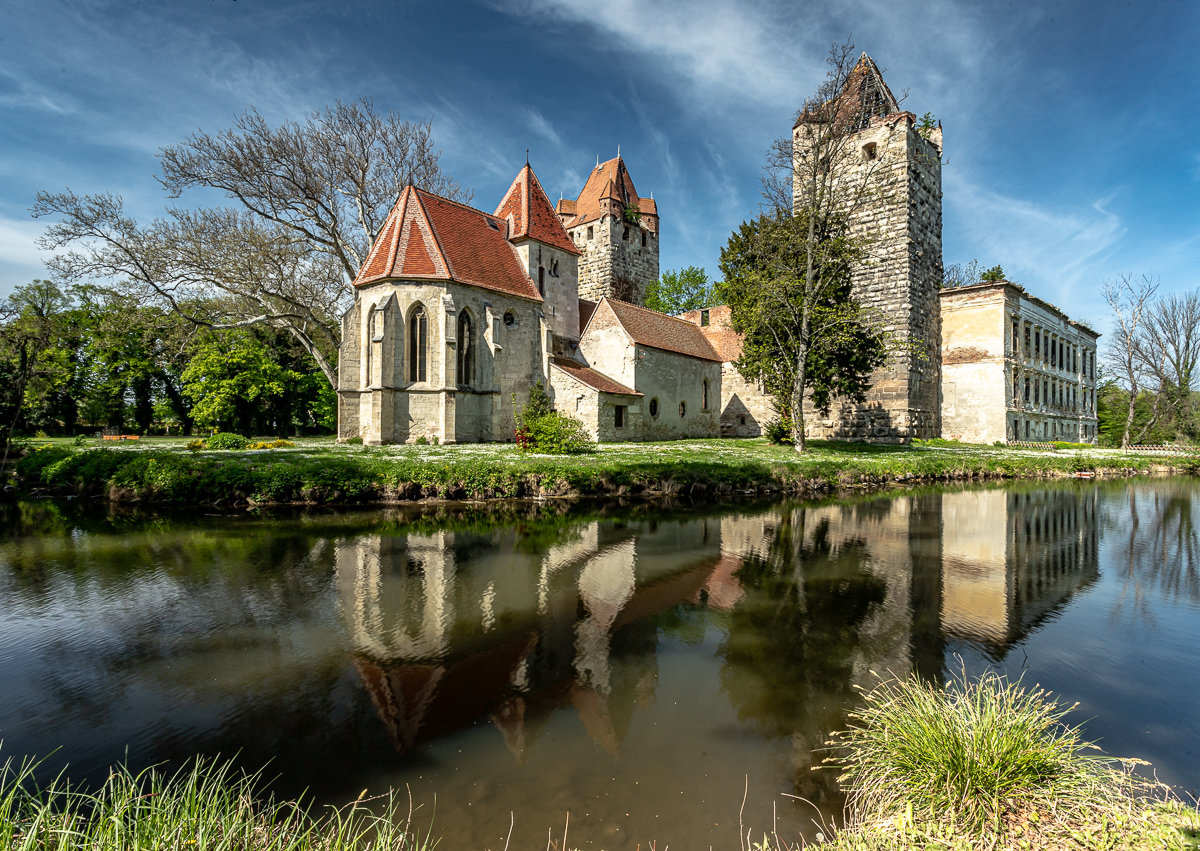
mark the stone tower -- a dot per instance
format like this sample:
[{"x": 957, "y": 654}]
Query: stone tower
[
  {"x": 617, "y": 233},
  {"x": 900, "y": 279}
]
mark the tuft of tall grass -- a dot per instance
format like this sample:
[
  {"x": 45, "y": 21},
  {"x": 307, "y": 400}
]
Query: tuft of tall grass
[
  {"x": 973, "y": 752},
  {"x": 205, "y": 805}
]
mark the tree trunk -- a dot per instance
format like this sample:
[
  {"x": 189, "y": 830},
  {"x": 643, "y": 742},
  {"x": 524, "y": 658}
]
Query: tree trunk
[
  {"x": 798, "y": 438},
  {"x": 1129, "y": 417}
]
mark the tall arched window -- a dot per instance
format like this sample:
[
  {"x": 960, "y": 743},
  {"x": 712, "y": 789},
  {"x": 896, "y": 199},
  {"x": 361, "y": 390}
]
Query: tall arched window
[
  {"x": 466, "y": 349},
  {"x": 418, "y": 344},
  {"x": 369, "y": 360}
]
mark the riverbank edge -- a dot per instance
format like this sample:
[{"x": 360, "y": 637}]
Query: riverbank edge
[{"x": 365, "y": 478}]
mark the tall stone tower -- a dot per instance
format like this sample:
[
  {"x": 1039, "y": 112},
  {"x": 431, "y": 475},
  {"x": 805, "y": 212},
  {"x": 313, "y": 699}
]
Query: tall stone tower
[
  {"x": 617, "y": 233},
  {"x": 900, "y": 278}
]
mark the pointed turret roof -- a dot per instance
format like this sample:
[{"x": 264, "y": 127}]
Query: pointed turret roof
[
  {"x": 864, "y": 93},
  {"x": 531, "y": 213},
  {"x": 608, "y": 181},
  {"x": 428, "y": 237}
]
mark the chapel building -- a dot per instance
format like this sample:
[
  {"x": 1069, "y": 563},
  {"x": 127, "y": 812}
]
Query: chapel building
[{"x": 459, "y": 313}]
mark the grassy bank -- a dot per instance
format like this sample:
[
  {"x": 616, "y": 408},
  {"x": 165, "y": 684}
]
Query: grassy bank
[
  {"x": 206, "y": 806},
  {"x": 320, "y": 471},
  {"x": 987, "y": 763}
]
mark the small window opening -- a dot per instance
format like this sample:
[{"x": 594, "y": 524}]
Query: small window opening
[
  {"x": 492, "y": 224},
  {"x": 869, "y": 151},
  {"x": 589, "y": 232},
  {"x": 682, "y": 408},
  {"x": 619, "y": 417},
  {"x": 542, "y": 281},
  {"x": 654, "y": 408},
  {"x": 742, "y": 420},
  {"x": 643, "y": 240},
  {"x": 625, "y": 235},
  {"x": 509, "y": 319},
  {"x": 704, "y": 316},
  {"x": 704, "y": 396}
]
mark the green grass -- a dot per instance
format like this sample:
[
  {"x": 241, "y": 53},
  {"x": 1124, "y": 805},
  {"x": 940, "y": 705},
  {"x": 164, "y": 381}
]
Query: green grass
[
  {"x": 318, "y": 470},
  {"x": 987, "y": 763},
  {"x": 207, "y": 805}
]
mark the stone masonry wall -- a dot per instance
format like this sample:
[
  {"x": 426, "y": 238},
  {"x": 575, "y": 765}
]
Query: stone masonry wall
[
  {"x": 898, "y": 283},
  {"x": 615, "y": 265}
]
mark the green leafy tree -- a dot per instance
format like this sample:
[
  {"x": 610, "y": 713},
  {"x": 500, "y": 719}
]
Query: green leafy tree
[
  {"x": 799, "y": 340},
  {"x": 679, "y": 291},
  {"x": 228, "y": 376},
  {"x": 992, "y": 275}
]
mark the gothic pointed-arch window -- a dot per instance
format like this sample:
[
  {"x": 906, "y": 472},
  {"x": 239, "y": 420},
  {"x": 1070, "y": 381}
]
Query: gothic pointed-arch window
[
  {"x": 369, "y": 360},
  {"x": 466, "y": 349},
  {"x": 418, "y": 345}
]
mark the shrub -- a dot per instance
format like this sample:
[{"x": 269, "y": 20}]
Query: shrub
[
  {"x": 354, "y": 441},
  {"x": 1062, "y": 444},
  {"x": 779, "y": 429},
  {"x": 540, "y": 428},
  {"x": 422, "y": 441},
  {"x": 195, "y": 445},
  {"x": 228, "y": 441},
  {"x": 971, "y": 752},
  {"x": 271, "y": 444}
]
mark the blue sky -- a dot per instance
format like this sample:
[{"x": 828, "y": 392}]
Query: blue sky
[{"x": 1072, "y": 151}]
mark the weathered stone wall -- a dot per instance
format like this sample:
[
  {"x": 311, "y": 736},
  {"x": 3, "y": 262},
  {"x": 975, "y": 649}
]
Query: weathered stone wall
[
  {"x": 596, "y": 410},
  {"x": 898, "y": 282},
  {"x": 745, "y": 408},
  {"x": 380, "y": 404},
  {"x": 619, "y": 258},
  {"x": 561, "y": 277},
  {"x": 987, "y": 364},
  {"x": 672, "y": 379}
]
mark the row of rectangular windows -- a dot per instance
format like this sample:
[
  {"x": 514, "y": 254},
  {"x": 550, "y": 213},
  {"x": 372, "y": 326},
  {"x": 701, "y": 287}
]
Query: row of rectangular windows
[
  {"x": 1054, "y": 393},
  {"x": 1059, "y": 352}
]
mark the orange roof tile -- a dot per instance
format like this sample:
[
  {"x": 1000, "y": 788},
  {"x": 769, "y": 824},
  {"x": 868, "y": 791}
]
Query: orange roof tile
[
  {"x": 609, "y": 180},
  {"x": 427, "y": 237},
  {"x": 532, "y": 215},
  {"x": 590, "y": 378},
  {"x": 658, "y": 331}
]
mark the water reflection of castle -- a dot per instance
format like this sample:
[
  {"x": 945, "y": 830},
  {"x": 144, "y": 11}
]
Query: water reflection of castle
[{"x": 451, "y": 627}]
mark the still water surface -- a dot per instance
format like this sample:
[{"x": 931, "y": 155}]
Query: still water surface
[{"x": 637, "y": 665}]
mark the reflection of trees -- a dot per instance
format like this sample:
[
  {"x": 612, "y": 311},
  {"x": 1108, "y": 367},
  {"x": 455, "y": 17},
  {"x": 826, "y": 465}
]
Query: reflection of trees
[
  {"x": 792, "y": 639},
  {"x": 1158, "y": 542}
]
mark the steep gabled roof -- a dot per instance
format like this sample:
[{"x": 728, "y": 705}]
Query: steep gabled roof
[
  {"x": 428, "y": 237},
  {"x": 609, "y": 180},
  {"x": 588, "y": 377},
  {"x": 532, "y": 215},
  {"x": 863, "y": 95},
  {"x": 657, "y": 330}
]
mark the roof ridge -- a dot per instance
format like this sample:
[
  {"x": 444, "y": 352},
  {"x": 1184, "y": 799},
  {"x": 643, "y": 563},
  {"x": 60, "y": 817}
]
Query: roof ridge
[
  {"x": 437, "y": 240},
  {"x": 652, "y": 310},
  {"x": 446, "y": 200}
]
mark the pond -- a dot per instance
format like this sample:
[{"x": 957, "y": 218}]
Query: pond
[{"x": 640, "y": 666}]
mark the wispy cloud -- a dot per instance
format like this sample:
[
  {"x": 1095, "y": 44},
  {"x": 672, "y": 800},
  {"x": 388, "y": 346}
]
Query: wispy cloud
[
  {"x": 20, "y": 258},
  {"x": 540, "y": 127}
]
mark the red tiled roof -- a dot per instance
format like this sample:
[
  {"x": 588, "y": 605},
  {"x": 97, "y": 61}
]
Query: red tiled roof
[
  {"x": 658, "y": 331},
  {"x": 590, "y": 378},
  {"x": 609, "y": 180},
  {"x": 531, "y": 213},
  {"x": 427, "y": 237}
]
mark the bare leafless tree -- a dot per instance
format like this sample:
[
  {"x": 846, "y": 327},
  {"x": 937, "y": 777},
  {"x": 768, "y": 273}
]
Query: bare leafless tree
[
  {"x": 1170, "y": 347},
  {"x": 310, "y": 198},
  {"x": 1126, "y": 355}
]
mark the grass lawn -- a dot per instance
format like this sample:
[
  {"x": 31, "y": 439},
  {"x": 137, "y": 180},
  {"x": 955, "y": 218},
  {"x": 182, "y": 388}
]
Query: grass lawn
[{"x": 321, "y": 470}]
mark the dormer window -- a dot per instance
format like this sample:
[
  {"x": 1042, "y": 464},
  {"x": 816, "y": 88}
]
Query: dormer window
[
  {"x": 869, "y": 151},
  {"x": 492, "y": 223}
]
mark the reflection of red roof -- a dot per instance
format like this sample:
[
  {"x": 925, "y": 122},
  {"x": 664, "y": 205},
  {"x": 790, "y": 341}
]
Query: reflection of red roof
[
  {"x": 588, "y": 377},
  {"x": 531, "y": 213},
  {"x": 608, "y": 181},
  {"x": 427, "y": 237},
  {"x": 657, "y": 330}
]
